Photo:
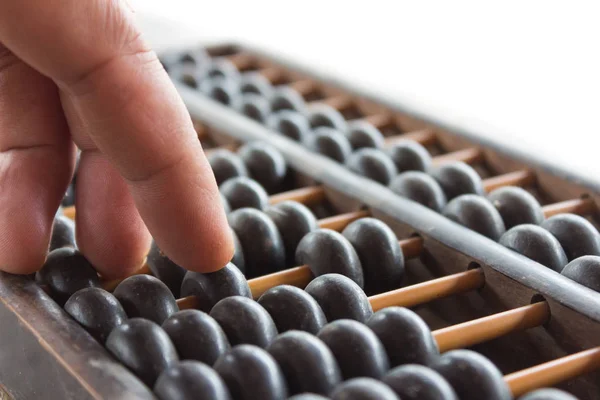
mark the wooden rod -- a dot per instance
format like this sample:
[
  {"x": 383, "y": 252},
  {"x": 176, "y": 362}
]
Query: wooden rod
[
  {"x": 272, "y": 74},
  {"x": 471, "y": 155},
  {"x": 553, "y": 372},
  {"x": 201, "y": 130},
  {"x": 575, "y": 206},
  {"x": 428, "y": 291},
  {"x": 411, "y": 247},
  {"x": 304, "y": 86},
  {"x": 188, "y": 302},
  {"x": 425, "y": 137},
  {"x": 297, "y": 276},
  {"x": 340, "y": 102},
  {"x": 241, "y": 60},
  {"x": 110, "y": 285},
  {"x": 491, "y": 327},
  {"x": 517, "y": 178},
  {"x": 306, "y": 195},
  {"x": 379, "y": 121},
  {"x": 339, "y": 222}
]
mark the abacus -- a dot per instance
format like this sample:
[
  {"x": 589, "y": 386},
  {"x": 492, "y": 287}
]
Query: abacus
[{"x": 379, "y": 255}]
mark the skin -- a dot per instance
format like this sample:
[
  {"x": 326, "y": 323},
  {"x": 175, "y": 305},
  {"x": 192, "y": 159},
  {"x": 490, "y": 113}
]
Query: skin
[{"x": 79, "y": 72}]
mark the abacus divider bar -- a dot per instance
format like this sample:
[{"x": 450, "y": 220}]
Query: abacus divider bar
[
  {"x": 553, "y": 372},
  {"x": 517, "y": 178},
  {"x": 582, "y": 206},
  {"x": 425, "y": 292},
  {"x": 487, "y": 328}
]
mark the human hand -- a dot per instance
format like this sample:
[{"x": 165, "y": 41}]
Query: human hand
[{"x": 75, "y": 71}]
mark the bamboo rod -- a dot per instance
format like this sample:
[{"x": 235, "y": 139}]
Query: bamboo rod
[
  {"x": 424, "y": 137},
  {"x": 470, "y": 155},
  {"x": 339, "y": 103},
  {"x": 575, "y": 206},
  {"x": 516, "y": 178},
  {"x": 304, "y": 86},
  {"x": 305, "y": 195},
  {"x": 379, "y": 121},
  {"x": 110, "y": 285},
  {"x": 339, "y": 222},
  {"x": 241, "y": 60}
]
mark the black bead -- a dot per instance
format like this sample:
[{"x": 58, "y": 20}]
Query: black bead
[
  {"x": 420, "y": 187},
  {"x": 63, "y": 233},
  {"x": 190, "y": 380},
  {"x": 222, "y": 90},
  {"x": 362, "y": 134},
  {"x": 238, "y": 255},
  {"x": 476, "y": 213},
  {"x": 536, "y": 243},
  {"x": 164, "y": 269},
  {"x": 254, "y": 82},
  {"x": 330, "y": 143},
  {"x": 548, "y": 394},
  {"x": 356, "y": 348},
  {"x": 145, "y": 296},
  {"x": 66, "y": 271},
  {"x": 242, "y": 192},
  {"x": 261, "y": 242},
  {"x": 188, "y": 74},
  {"x": 265, "y": 164},
  {"x": 225, "y": 165},
  {"x": 306, "y": 362},
  {"x": 221, "y": 68},
  {"x": 340, "y": 298},
  {"x": 458, "y": 178},
  {"x": 251, "y": 373},
  {"x": 326, "y": 251},
  {"x": 244, "y": 321},
  {"x": 379, "y": 252},
  {"x": 322, "y": 115},
  {"x": 225, "y": 203},
  {"x": 253, "y": 106},
  {"x": 294, "y": 221},
  {"x": 373, "y": 164},
  {"x": 286, "y": 98},
  {"x": 98, "y": 311},
  {"x": 409, "y": 155},
  {"x": 577, "y": 236},
  {"x": 405, "y": 336},
  {"x": 516, "y": 206},
  {"x": 143, "y": 347},
  {"x": 291, "y": 124},
  {"x": 308, "y": 396},
  {"x": 363, "y": 389},
  {"x": 584, "y": 270},
  {"x": 196, "y": 336},
  {"x": 293, "y": 309},
  {"x": 472, "y": 376},
  {"x": 210, "y": 288},
  {"x": 416, "y": 382}
]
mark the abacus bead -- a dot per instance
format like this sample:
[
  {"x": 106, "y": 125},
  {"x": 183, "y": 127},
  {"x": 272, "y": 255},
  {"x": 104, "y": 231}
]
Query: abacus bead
[
  {"x": 416, "y": 382},
  {"x": 458, "y": 178},
  {"x": 210, "y": 288},
  {"x": 577, "y": 236},
  {"x": 63, "y": 233},
  {"x": 244, "y": 321},
  {"x": 294, "y": 221},
  {"x": 415, "y": 344},
  {"x": 308, "y": 396},
  {"x": 306, "y": 362},
  {"x": 356, "y": 348},
  {"x": 145, "y": 296},
  {"x": 251, "y": 373},
  {"x": 286, "y": 98},
  {"x": 326, "y": 251},
  {"x": 293, "y": 309},
  {"x": 238, "y": 255},
  {"x": 516, "y": 206},
  {"x": 265, "y": 164},
  {"x": 253, "y": 106},
  {"x": 330, "y": 143},
  {"x": 262, "y": 244},
  {"x": 472, "y": 376},
  {"x": 410, "y": 156},
  {"x": 196, "y": 336},
  {"x": 362, "y": 134},
  {"x": 476, "y": 213},
  {"x": 98, "y": 311},
  {"x": 225, "y": 203},
  {"x": 225, "y": 165},
  {"x": 536, "y": 243},
  {"x": 322, "y": 115},
  {"x": 190, "y": 380},
  {"x": 421, "y": 188},
  {"x": 548, "y": 394},
  {"x": 291, "y": 124},
  {"x": 340, "y": 298},
  {"x": 221, "y": 68},
  {"x": 164, "y": 269},
  {"x": 143, "y": 347},
  {"x": 222, "y": 90},
  {"x": 242, "y": 192},
  {"x": 379, "y": 252},
  {"x": 66, "y": 271},
  {"x": 363, "y": 389},
  {"x": 188, "y": 75},
  {"x": 373, "y": 164},
  {"x": 253, "y": 82},
  {"x": 584, "y": 270}
]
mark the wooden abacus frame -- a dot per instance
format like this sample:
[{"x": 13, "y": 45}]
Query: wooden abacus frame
[{"x": 50, "y": 354}]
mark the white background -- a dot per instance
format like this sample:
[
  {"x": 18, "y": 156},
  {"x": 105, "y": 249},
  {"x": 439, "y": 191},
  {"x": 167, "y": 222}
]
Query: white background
[{"x": 526, "y": 72}]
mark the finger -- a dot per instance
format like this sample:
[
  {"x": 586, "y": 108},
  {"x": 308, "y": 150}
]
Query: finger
[
  {"x": 36, "y": 163},
  {"x": 133, "y": 114}
]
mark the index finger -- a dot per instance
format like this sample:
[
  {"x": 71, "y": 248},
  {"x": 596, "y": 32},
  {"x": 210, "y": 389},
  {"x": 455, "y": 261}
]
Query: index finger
[{"x": 133, "y": 114}]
